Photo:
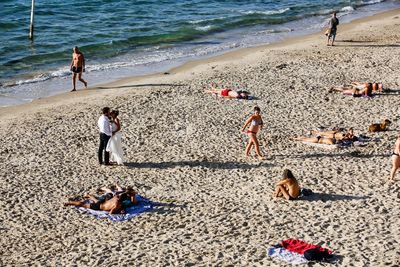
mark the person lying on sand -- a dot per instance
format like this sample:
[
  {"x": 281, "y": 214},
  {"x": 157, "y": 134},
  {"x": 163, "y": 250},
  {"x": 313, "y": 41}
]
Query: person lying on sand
[
  {"x": 366, "y": 90},
  {"x": 229, "y": 93},
  {"x": 329, "y": 137},
  {"x": 113, "y": 205},
  {"x": 376, "y": 87},
  {"x": 337, "y": 134},
  {"x": 127, "y": 195},
  {"x": 288, "y": 187},
  {"x": 395, "y": 159}
]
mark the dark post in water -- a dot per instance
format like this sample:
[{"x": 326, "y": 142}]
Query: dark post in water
[{"x": 31, "y": 26}]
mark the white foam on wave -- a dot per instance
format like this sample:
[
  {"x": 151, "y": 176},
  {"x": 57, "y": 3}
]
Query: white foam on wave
[
  {"x": 268, "y": 12},
  {"x": 371, "y": 2},
  {"x": 347, "y": 9},
  {"x": 206, "y": 20},
  {"x": 203, "y": 28}
]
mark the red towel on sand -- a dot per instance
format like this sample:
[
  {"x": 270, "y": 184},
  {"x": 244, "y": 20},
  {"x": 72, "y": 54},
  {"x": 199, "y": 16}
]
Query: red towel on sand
[{"x": 300, "y": 246}]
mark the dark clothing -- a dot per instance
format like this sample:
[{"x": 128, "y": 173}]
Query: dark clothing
[
  {"x": 333, "y": 24},
  {"x": 95, "y": 206},
  {"x": 103, "y": 144},
  {"x": 76, "y": 69}
]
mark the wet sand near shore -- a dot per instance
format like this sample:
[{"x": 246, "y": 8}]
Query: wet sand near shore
[{"x": 184, "y": 148}]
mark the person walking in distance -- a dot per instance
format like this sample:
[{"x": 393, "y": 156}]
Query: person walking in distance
[
  {"x": 77, "y": 67},
  {"x": 332, "y": 28},
  {"x": 105, "y": 135}
]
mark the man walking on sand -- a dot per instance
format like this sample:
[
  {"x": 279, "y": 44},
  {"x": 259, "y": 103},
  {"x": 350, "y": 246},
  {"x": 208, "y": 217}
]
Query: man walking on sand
[
  {"x": 332, "y": 27},
  {"x": 77, "y": 67},
  {"x": 105, "y": 134}
]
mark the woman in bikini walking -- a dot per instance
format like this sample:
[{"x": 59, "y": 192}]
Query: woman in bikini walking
[
  {"x": 256, "y": 123},
  {"x": 395, "y": 159}
]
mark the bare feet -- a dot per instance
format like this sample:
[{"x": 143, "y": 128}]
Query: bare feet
[
  {"x": 85, "y": 84},
  {"x": 262, "y": 158},
  {"x": 73, "y": 90}
]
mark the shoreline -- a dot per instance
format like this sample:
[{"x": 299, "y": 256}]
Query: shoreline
[{"x": 229, "y": 56}]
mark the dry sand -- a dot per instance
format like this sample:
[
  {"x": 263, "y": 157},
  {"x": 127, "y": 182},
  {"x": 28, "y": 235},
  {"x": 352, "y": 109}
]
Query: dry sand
[{"x": 184, "y": 148}]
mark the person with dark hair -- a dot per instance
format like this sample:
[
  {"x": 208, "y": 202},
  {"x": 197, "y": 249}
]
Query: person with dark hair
[
  {"x": 127, "y": 195},
  {"x": 229, "y": 93},
  {"x": 332, "y": 28},
  {"x": 288, "y": 187},
  {"x": 105, "y": 135},
  {"x": 77, "y": 67},
  {"x": 256, "y": 123},
  {"x": 114, "y": 145},
  {"x": 355, "y": 90},
  {"x": 113, "y": 205}
]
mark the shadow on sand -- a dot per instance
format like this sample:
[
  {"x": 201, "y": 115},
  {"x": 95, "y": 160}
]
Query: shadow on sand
[
  {"x": 166, "y": 208},
  {"x": 359, "y": 43},
  {"x": 331, "y": 197},
  {"x": 138, "y": 85},
  {"x": 230, "y": 165}
]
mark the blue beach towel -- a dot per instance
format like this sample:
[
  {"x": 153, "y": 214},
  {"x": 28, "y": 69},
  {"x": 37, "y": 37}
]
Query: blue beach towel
[{"x": 142, "y": 206}]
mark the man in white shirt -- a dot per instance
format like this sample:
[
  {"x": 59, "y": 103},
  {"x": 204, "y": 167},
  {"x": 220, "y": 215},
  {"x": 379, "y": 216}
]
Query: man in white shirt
[{"x": 105, "y": 134}]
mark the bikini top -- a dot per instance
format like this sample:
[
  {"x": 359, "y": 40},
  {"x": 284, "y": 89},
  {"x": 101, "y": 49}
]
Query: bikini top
[{"x": 255, "y": 122}]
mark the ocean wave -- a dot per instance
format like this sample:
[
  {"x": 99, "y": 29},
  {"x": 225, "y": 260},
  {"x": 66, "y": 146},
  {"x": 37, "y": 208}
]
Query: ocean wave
[
  {"x": 275, "y": 31},
  {"x": 371, "y": 2},
  {"x": 347, "y": 9},
  {"x": 205, "y": 21},
  {"x": 269, "y": 12},
  {"x": 203, "y": 28}
]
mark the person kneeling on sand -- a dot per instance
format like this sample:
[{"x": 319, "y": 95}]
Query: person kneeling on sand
[
  {"x": 288, "y": 187},
  {"x": 113, "y": 205},
  {"x": 395, "y": 159}
]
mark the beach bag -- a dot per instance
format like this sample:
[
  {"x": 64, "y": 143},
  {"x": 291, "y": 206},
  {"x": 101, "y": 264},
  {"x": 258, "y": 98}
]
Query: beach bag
[
  {"x": 326, "y": 32},
  {"x": 316, "y": 254}
]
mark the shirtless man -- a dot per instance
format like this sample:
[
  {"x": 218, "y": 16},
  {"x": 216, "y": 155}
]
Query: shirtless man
[
  {"x": 112, "y": 205},
  {"x": 77, "y": 67},
  {"x": 395, "y": 159},
  {"x": 288, "y": 187}
]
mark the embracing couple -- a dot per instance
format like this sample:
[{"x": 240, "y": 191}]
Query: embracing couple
[{"x": 110, "y": 137}]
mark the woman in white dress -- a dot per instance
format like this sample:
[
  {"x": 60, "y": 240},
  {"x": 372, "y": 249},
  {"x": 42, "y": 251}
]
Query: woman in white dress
[{"x": 114, "y": 145}]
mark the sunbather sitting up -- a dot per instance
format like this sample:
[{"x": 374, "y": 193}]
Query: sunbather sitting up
[{"x": 288, "y": 187}]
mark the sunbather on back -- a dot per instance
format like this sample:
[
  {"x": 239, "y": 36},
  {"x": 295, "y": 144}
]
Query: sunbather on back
[{"x": 112, "y": 205}]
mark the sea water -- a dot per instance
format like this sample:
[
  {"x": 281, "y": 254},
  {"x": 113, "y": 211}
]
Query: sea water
[{"x": 122, "y": 38}]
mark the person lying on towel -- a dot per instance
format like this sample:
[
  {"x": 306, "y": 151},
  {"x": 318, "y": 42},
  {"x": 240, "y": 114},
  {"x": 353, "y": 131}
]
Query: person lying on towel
[
  {"x": 288, "y": 187},
  {"x": 112, "y": 205},
  {"x": 128, "y": 194}
]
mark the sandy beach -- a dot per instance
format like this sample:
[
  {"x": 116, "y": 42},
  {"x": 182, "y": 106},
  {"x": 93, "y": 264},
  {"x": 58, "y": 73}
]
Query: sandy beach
[{"x": 184, "y": 149}]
